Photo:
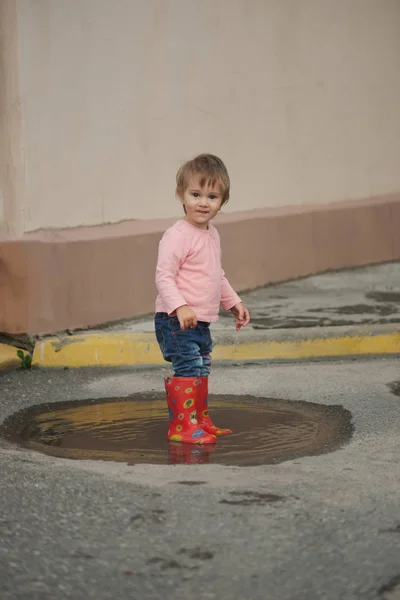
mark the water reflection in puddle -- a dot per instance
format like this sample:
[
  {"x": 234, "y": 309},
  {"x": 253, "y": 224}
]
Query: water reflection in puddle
[{"x": 133, "y": 430}]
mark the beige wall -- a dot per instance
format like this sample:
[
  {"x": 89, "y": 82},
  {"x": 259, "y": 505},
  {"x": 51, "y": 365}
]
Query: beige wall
[
  {"x": 103, "y": 100},
  {"x": 12, "y": 170}
]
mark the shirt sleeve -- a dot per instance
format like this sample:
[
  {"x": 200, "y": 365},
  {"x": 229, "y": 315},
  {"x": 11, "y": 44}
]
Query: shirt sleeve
[
  {"x": 172, "y": 250},
  {"x": 229, "y": 297}
]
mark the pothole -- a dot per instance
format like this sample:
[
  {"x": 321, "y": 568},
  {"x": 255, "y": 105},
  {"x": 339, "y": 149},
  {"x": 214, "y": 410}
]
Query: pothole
[{"x": 133, "y": 430}]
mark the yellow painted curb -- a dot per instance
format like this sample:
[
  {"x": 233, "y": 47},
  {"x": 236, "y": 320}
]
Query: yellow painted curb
[
  {"x": 103, "y": 349},
  {"x": 8, "y": 356},
  {"x": 125, "y": 349}
]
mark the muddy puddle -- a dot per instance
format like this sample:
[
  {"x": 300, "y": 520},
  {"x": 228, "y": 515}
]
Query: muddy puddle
[{"x": 133, "y": 430}]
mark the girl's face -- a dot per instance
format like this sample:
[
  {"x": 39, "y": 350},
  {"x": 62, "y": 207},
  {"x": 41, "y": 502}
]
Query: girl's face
[{"x": 201, "y": 203}]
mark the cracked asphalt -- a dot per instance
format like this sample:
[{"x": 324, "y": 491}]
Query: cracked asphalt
[{"x": 323, "y": 527}]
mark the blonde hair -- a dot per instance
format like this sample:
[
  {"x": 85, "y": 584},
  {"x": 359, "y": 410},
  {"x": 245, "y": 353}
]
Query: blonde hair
[{"x": 211, "y": 170}]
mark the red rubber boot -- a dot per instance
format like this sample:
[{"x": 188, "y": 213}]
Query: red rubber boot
[
  {"x": 202, "y": 410},
  {"x": 183, "y": 426}
]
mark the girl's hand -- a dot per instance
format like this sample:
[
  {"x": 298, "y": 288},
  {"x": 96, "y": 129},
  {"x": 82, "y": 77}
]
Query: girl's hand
[
  {"x": 241, "y": 314},
  {"x": 186, "y": 317}
]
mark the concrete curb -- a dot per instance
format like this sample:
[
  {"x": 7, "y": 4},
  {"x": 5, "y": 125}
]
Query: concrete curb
[
  {"x": 8, "y": 357},
  {"x": 127, "y": 349}
]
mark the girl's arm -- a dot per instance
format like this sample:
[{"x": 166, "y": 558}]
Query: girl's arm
[{"x": 231, "y": 301}]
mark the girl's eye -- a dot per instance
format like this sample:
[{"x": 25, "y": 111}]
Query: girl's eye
[
  {"x": 196, "y": 195},
  {"x": 212, "y": 197}
]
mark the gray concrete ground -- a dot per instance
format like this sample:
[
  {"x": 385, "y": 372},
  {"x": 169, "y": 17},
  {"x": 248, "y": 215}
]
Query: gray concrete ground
[
  {"x": 368, "y": 297},
  {"x": 91, "y": 529}
]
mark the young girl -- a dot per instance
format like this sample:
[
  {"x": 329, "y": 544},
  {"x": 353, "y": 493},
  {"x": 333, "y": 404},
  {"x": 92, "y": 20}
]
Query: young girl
[{"x": 191, "y": 287}]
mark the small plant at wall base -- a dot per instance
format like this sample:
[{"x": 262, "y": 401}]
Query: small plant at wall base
[{"x": 26, "y": 359}]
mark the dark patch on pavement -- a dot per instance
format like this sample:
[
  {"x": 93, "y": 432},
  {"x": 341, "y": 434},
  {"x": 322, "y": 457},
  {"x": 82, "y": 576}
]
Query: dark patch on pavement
[
  {"x": 394, "y": 387},
  {"x": 136, "y": 518},
  {"x": 133, "y": 430},
  {"x": 188, "y": 482},
  {"x": 164, "y": 563},
  {"x": 391, "y": 590},
  {"x": 197, "y": 553},
  {"x": 301, "y": 321},
  {"x": 246, "y": 365},
  {"x": 250, "y": 498},
  {"x": 388, "y": 321},
  {"x": 359, "y": 309},
  {"x": 392, "y": 530},
  {"x": 380, "y": 296},
  {"x": 82, "y": 554},
  {"x": 154, "y": 516}
]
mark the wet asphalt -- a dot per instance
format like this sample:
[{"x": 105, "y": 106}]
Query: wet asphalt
[
  {"x": 323, "y": 527},
  {"x": 366, "y": 297}
]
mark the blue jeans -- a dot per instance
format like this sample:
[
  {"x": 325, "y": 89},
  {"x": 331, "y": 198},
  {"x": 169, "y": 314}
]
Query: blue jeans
[{"x": 189, "y": 351}]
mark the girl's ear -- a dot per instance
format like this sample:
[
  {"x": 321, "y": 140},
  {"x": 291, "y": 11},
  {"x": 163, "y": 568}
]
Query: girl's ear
[{"x": 179, "y": 195}]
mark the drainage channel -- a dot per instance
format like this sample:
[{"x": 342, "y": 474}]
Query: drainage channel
[{"x": 133, "y": 430}]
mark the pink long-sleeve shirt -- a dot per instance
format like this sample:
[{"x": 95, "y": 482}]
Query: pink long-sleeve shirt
[{"x": 189, "y": 272}]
